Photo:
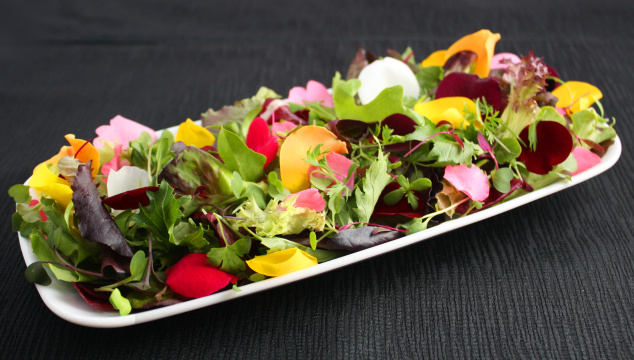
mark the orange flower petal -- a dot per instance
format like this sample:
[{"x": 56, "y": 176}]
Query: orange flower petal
[
  {"x": 437, "y": 58},
  {"x": 87, "y": 153},
  {"x": 576, "y": 95},
  {"x": 293, "y": 168},
  {"x": 281, "y": 262},
  {"x": 192, "y": 134},
  {"x": 482, "y": 43},
  {"x": 449, "y": 109}
]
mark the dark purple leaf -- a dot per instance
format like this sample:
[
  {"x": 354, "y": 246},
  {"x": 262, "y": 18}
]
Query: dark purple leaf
[
  {"x": 130, "y": 199},
  {"x": 280, "y": 112},
  {"x": 114, "y": 266},
  {"x": 361, "y": 238},
  {"x": 95, "y": 222}
]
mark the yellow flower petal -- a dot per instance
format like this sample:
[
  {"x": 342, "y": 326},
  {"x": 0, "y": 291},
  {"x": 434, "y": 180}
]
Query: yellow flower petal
[
  {"x": 483, "y": 44},
  {"x": 195, "y": 135},
  {"x": 576, "y": 95},
  {"x": 293, "y": 168},
  {"x": 449, "y": 109},
  {"x": 85, "y": 153},
  {"x": 437, "y": 58},
  {"x": 45, "y": 181},
  {"x": 281, "y": 262}
]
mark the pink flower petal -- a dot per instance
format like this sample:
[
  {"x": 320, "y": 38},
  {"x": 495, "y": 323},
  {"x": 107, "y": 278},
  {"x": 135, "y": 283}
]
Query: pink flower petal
[
  {"x": 115, "y": 164},
  {"x": 193, "y": 277},
  {"x": 282, "y": 127},
  {"x": 470, "y": 180},
  {"x": 309, "y": 198},
  {"x": 121, "y": 131},
  {"x": 314, "y": 91},
  {"x": 260, "y": 140},
  {"x": 340, "y": 165},
  {"x": 496, "y": 60},
  {"x": 585, "y": 159}
]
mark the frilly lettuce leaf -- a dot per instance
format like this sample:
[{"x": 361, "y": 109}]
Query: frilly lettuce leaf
[
  {"x": 278, "y": 218},
  {"x": 238, "y": 111}
]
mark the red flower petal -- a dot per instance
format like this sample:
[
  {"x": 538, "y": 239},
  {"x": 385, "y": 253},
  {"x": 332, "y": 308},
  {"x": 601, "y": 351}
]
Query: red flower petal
[
  {"x": 193, "y": 277},
  {"x": 402, "y": 207},
  {"x": 554, "y": 144},
  {"x": 471, "y": 86},
  {"x": 260, "y": 140},
  {"x": 130, "y": 199}
]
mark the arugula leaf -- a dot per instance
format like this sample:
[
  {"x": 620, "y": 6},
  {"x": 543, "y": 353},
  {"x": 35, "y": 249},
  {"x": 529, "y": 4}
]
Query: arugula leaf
[
  {"x": 238, "y": 157},
  {"x": 369, "y": 191},
  {"x": 43, "y": 251},
  {"x": 229, "y": 258},
  {"x": 428, "y": 78}
]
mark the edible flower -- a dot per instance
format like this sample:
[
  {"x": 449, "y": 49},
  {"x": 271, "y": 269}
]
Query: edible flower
[
  {"x": 482, "y": 43},
  {"x": 293, "y": 168},
  {"x": 47, "y": 182},
  {"x": 469, "y": 180},
  {"x": 471, "y": 86},
  {"x": 193, "y": 134},
  {"x": 260, "y": 140},
  {"x": 82, "y": 150},
  {"x": 282, "y": 127},
  {"x": 115, "y": 164},
  {"x": 120, "y": 131},
  {"x": 575, "y": 96},
  {"x": 282, "y": 262},
  {"x": 309, "y": 198},
  {"x": 127, "y": 178},
  {"x": 339, "y": 165},
  {"x": 385, "y": 73},
  {"x": 554, "y": 144},
  {"x": 314, "y": 91},
  {"x": 449, "y": 109},
  {"x": 504, "y": 60},
  {"x": 586, "y": 159},
  {"x": 193, "y": 277}
]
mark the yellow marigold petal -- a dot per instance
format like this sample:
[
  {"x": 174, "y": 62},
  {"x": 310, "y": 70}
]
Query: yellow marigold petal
[
  {"x": 293, "y": 168},
  {"x": 449, "y": 109},
  {"x": 195, "y": 135},
  {"x": 45, "y": 181},
  {"x": 281, "y": 262},
  {"x": 85, "y": 153},
  {"x": 576, "y": 95},
  {"x": 437, "y": 58},
  {"x": 482, "y": 43}
]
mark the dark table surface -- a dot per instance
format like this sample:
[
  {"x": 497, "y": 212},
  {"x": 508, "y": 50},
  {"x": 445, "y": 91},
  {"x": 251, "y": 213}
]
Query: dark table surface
[{"x": 552, "y": 279}]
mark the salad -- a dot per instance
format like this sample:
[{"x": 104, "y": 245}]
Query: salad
[{"x": 137, "y": 218}]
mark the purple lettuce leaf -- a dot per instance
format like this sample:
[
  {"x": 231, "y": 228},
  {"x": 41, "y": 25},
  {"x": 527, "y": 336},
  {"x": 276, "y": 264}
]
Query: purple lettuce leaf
[
  {"x": 95, "y": 222},
  {"x": 360, "y": 238}
]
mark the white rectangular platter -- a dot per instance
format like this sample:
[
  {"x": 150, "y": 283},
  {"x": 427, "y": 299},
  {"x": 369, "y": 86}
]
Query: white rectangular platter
[{"x": 63, "y": 300}]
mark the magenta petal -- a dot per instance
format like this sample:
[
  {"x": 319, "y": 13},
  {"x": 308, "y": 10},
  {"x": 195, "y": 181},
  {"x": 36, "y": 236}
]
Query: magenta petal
[
  {"x": 193, "y": 277},
  {"x": 282, "y": 127},
  {"x": 472, "y": 87},
  {"x": 585, "y": 159},
  {"x": 340, "y": 165},
  {"x": 470, "y": 180},
  {"x": 260, "y": 140},
  {"x": 309, "y": 198}
]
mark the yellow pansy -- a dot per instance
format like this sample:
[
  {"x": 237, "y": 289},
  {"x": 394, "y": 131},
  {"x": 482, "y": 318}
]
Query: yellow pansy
[
  {"x": 281, "y": 262},
  {"x": 47, "y": 182},
  {"x": 576, "y": 96},
  {"x": 192, "y": 134},
  {"x": 449, "y": 109}
]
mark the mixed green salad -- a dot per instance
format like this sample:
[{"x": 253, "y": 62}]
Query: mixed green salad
[{"x": 138, "y": 218}]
